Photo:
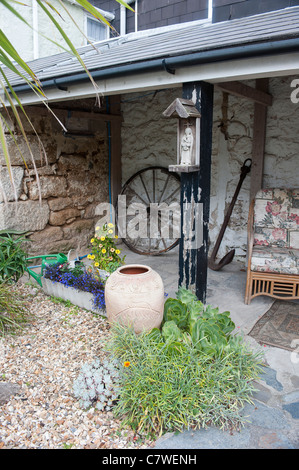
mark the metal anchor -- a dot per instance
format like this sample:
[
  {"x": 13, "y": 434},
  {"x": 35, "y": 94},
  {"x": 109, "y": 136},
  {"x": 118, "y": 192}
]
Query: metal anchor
[{"x": 245, "y": 169}]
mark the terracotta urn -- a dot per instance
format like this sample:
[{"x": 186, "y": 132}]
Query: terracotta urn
[{"x": 134, "y": 296}]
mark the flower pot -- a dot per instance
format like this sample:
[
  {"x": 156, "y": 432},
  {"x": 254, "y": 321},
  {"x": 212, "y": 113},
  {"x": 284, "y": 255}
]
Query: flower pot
[
  {"x": 134, "y": 296},
  {"x": 75, "y": 296}
]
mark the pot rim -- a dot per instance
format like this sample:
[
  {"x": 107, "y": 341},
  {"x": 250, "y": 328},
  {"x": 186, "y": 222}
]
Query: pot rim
[{"x": 143, "y": 266}]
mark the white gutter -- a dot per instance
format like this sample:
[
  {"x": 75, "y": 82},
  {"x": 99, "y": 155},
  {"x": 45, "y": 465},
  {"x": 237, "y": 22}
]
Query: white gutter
[{"x": 229, "y": 70}]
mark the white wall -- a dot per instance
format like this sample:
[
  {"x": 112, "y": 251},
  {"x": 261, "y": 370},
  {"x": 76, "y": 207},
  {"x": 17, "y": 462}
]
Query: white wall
[
  {"x": 22, "y": 36},
  {"x": 148, "y": 138}
]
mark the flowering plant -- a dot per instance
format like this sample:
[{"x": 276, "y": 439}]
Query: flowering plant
[
  {"x": 79, "y": 279},
  {"x": 105, "y": 254}
]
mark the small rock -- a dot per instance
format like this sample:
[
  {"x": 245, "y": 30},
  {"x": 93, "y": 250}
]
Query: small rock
[{"x": 7, "y": 390}]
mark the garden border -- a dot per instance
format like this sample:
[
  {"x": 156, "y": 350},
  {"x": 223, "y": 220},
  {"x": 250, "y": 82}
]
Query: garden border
[{"x": 80, "y": 298}]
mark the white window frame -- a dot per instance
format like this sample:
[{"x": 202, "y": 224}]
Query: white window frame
[
  {"x": 107, "y": 15},
  {"x": 210, "y": 9},
  {"x": 123, "y": 20},
  {"x": 92, "y": 18},
  {"x": 123, "y": 17}
]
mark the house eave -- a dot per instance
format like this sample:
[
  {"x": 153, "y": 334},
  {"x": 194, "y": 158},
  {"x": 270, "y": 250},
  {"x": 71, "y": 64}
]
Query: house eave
[{"x": 214, "y": 66}]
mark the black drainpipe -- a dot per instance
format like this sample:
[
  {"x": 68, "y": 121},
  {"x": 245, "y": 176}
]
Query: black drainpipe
[{"x": 171, "y": 63}]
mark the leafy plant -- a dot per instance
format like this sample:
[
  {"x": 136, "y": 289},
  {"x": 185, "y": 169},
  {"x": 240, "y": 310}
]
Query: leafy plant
[
  {"x": 177, "y": 311},
  {"x": 105, "y": 254},
  {"x": 208, "y": 329},
  {"x": 13, "y": 311},
  {"x": 79, "y": 279},
  {"x": 96, "y": 384},
  {"x": 12, "y": 257},
  {"x": 191, "y": 373},
  {"x": 162, "y": 391}
]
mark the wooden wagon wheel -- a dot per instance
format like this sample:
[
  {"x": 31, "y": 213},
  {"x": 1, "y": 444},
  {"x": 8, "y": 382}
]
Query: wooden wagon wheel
[{"x": 154, "y": 194}]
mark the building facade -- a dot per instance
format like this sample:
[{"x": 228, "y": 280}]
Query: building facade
[{"x": 80, "y": 171}]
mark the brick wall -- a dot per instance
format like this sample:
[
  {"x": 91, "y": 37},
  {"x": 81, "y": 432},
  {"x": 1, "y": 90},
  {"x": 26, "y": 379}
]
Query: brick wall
[{"x": 224, "y": 10}]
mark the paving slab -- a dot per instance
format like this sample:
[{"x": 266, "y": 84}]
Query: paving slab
[{"x": 266, "y": 428}]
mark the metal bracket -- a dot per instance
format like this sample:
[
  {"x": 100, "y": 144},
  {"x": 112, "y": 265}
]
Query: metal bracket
[{"x": 168, "y": 69}]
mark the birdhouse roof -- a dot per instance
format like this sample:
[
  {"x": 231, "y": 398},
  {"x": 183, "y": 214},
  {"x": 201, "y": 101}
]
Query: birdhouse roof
[{"x": 182, "y": 108}]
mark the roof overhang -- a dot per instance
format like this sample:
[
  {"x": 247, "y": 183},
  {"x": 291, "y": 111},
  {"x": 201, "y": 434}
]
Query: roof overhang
[
  {"x": 215, "y": 53},
  {"x": 216, "y": 72}
]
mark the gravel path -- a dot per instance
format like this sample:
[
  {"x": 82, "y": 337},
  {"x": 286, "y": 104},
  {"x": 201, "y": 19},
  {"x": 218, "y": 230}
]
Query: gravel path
[{"x": 44, "y": 359}]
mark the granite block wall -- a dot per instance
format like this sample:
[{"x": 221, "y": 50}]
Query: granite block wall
[{"x": 72, "y": 181}]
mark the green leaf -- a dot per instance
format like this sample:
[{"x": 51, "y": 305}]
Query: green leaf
[
  {"x": 124, "y": 4},
  {"x": 177, "y": 311},
  {"x": 171, "y": 332},
  {"x": 185, "y": 295},
  {"x": 196, "y": 309}
]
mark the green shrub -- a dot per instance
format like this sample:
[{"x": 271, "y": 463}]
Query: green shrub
[
  {"x": 13, "y": 311},
  {"x": 190, "y": 374},
  {"x": 168, "y": 389},
  {"x": 12, "y": 257}
]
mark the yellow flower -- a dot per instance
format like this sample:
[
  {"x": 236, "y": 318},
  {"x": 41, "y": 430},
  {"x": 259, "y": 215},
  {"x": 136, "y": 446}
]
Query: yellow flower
[
  {"x": 92, "y": 256},
  {"x": 97, "y": 228},
  {"x": 110, "y": 225},
  {"x": 97, "y": 264},
  {"x": 102, "y": 238},
  {"x": 110, "y": 231},
  {"x": 89, "y": 256},
  {"x": 103, "y": 250},
  {"x": 127, "y": 364},
  {"x": 115, "y": 236},
  {"x": 92, "y": 240},
  {"x": 117, "y": 252}
]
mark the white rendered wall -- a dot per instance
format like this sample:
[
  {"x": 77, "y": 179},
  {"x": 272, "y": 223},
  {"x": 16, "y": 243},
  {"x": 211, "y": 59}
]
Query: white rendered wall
[
  {"x": 149, "y": 139},
  {"x": 22, "y": 36}
]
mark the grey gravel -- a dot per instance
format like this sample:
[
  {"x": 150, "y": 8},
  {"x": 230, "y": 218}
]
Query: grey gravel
[{"x": 40, "y": 364}]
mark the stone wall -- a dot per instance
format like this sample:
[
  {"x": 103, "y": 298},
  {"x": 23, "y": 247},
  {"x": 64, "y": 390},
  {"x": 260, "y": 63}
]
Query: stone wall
[
  {"x": 71, "y": 183},
  {"x": 75, "y": 179},
  {"x": 153, "y": 142}
]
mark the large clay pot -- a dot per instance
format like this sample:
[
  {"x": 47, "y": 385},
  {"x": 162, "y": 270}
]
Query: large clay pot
[{"x": 134, "y": 296}]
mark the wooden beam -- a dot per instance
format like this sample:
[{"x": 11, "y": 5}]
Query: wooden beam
[
  {"x": 62, "y": 113},
  {"x": 195, "y": 193},
  {"x": 258, "y": 140},
  {"x": 257, "y": 95},
  {"x": 115, "y": 164}
]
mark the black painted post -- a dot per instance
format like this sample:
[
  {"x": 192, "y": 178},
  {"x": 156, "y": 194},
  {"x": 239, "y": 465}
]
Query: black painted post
[{"x": 195, "y": 193}]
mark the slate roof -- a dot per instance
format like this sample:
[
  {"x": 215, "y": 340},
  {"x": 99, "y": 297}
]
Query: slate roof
[{"x": 266, "y": 27}]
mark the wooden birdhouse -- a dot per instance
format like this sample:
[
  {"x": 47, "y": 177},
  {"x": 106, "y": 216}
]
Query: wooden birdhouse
[{"x": 188, "y": 134}]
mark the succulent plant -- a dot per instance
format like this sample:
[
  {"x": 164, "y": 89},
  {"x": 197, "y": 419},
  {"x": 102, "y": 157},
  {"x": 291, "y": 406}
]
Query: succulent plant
[{"x": 96, "y": 384}]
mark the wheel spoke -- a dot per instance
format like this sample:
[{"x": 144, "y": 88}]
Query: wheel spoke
[
  {"x": 139, "y": 197},
  {"x": 163, "y": 190},
  {"x": 172, "y": 194},
  {"x": 146, "y": 192},
  {"x": 162, "y": 183}
]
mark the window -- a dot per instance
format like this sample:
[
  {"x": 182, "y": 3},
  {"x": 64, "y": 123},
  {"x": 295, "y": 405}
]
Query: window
[{"x": 96, "y": 31}]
